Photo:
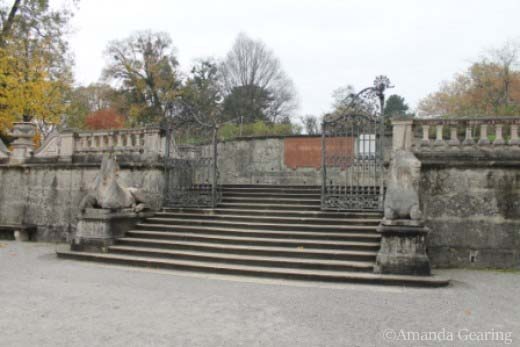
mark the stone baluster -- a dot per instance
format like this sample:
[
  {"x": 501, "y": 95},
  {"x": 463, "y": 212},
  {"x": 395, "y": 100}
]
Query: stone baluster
[
  {"x": 454, "y": 140},
  {"x": 483, "y": 140},
  {"x": 426, "y": 135},
  {"x": 499, "y": 138},
  {"x": 439, "y": 141},
  {"x": 468, "y": 140},
  {"x": 514, "y": 135}
]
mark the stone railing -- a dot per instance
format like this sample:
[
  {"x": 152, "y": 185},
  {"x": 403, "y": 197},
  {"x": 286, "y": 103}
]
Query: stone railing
[
  {"x": 456, "y": 133},
  {"x": 469, "y": 131},
  {"x": 125, "y": 140},
  {"x": 148, "y": 142}
]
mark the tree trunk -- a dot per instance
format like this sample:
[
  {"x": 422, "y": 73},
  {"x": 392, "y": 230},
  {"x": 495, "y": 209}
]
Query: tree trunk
[{"x": 6, "y": 30}]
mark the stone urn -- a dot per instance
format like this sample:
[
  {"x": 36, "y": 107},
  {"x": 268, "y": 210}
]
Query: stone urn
[{"x": 23, "y": 145}]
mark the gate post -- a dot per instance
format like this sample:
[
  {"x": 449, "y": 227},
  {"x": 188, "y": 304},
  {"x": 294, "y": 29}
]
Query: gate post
[
  {"x": 403, "y": 233},
  {"x": 323, "y": 167},
  {"x": 215, "y": 158}
]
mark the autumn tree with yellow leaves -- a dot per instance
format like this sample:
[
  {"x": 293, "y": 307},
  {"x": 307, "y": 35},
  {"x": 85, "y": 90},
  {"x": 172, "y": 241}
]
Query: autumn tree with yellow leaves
[
  {"x": 35, "y": 67},
  {"x": 490, "y": 87}
]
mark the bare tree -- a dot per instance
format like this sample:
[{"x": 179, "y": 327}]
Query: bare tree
[
  {"x": 507, "y": 58},
  {"x": 252, "y": 69},
  {"x": 310, "y": 123}
]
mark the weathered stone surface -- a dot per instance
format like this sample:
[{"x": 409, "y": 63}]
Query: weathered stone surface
[
  {"x": 107, "y": 193},
  {"x": 403, "y": 251},
  {"x": 49, "y": 195},
  {"x": 402, "y": 197},
  {"x": 23, "y": 145},
  {"x": 98, "y": 228},
  {"x": 4, "y": 153},
  {"x": 474, "y": 214},
  {"x": 261, "y": 161}
]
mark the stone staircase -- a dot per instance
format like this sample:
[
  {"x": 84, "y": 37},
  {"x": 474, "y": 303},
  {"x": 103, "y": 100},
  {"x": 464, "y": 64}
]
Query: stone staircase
[{"x": 263, "y": 231}]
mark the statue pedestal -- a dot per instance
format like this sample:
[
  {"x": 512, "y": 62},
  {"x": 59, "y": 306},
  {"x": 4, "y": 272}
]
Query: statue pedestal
[
  {"x": 403, "y": 248},
  {"x": 22, "y": 146},
  {"x": 98, "y": 228}
]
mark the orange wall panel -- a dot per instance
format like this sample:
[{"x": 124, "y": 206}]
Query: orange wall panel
[{"x": 306, "y": 151}]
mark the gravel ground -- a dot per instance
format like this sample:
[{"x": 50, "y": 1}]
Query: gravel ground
[{"x": 45, "y": 301}]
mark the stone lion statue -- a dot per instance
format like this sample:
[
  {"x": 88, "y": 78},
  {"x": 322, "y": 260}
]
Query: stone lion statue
[
  {"x": 402, "y": 197},
  {"x": 107, "y": 193}
]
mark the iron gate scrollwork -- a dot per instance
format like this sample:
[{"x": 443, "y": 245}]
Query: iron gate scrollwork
[
  {"x": 352, "y": 152},
  {"x": 191, "y": 172}
]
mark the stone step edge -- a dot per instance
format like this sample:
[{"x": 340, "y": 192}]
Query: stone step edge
[
  {"x": 224, "y": 238},
  {"x": 238, "y": 216},
  {"x": 275, "y": 234},
  {"x": 225, "y": 246},
  {"x": 256, "y": 271},
  {"x": 209, "y": 211},
  {"x": 238, "y": 257},
  {"x": 171, "y": 222}
]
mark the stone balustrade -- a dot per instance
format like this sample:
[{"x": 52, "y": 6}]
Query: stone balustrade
[
  {"x": 127, "y": 140},
  {"x": 477, "y": 131},
  {"x": 144, "y": 142},
  {"x": 456, "y": 133}
]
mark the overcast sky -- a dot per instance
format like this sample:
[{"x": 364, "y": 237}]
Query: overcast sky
[{"x": 322, "y": 44}]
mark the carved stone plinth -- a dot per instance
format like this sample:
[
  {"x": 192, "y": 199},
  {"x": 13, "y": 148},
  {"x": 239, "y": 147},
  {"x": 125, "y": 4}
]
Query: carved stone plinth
[
  {"x": 23, "y": 145},
  {"x": 403, "y": 249},
  {"x": 98, "y": 228}
]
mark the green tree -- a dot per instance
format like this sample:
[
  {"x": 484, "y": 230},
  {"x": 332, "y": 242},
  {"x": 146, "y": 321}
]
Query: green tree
[
  {"x": 395, "y": 106},
  {"x": 201, "y": 97},
  {"x": 145, "y": 65}
]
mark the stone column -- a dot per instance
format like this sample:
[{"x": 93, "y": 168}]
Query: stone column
[
  {"x": 152, "y": 142},
  {"x": 402, "y": 134},
  {"x": 67, "y": 146},
  {"x": 23, "y": 145}
]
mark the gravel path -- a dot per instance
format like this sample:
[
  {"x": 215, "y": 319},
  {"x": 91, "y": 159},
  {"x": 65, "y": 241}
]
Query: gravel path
[{"x": 45, "y": 301}]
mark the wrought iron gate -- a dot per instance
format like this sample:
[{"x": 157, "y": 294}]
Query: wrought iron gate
[
  {"x": 191, "y": 173},
  {"x": 352, "y": 153}
]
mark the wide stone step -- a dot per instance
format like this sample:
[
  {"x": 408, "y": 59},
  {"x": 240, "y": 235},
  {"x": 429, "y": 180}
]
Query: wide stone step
[
  {"x": 272, "y": 195},
  {"x": 247, "y": 239},
  {"x": 226, "y": 247},
  {"x": 271, "y": 190},
  {"x": 333, "y": 265},
  {"x": 257, "y": 271},
  {"x": 269, "y": 186},
  {"x": 273, "y": 219},
  {"x": 275, "y": 234},
  {"x": 275, "y": 200},
  {"x": 278, "y": 213},
  {"x": 174, "y": 222},
  {"x": 268, "y": 206}
]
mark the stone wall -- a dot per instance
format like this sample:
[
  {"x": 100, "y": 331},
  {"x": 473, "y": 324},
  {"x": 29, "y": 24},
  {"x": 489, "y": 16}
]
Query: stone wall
[
  {"x": 472, "y": 206},
  {"x": 263, "y": 161},
  {"x": 48, "y": 193},
  {"x": 469, "y": 188}
]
